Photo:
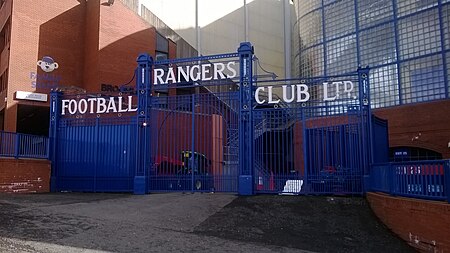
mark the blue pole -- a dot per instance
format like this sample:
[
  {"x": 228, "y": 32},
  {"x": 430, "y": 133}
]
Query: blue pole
[
  {"x": 246, "y": 143},
  {"x": 55, "y": 107},
  {"x": 367, "y": 140},
  {"x": 144, "y": 93}
]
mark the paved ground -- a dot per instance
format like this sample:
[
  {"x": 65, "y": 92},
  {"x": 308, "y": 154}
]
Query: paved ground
[{"x": 176, "y": 222}]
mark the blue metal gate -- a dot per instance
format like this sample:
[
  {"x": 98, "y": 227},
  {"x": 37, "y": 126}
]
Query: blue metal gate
[
  {"x": 211, "y": 123},
  {"x": 91, "y": 153},
  {"x": 312, "y": 135}
]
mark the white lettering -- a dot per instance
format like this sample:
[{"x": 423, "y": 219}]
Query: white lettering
[
  {"x": 91, "y": 104},
  {"x": 72, "y": 105},
  {"x": 111, "y": 105},
  {"x": 257, "y": 96},
  {"x": 302, "y": 89},
  {"x": 232, "y": 70},
  {"x": 185, "y": 74},
  {"x": 285, "y": 99},
  {"x": 270, "y": 95},
  {"x": 170, "y": 76},
  {"x": 325, "y": 93},
  {"x": 348, "y": 87},
  {"x": 82, "y": 106},
  {"x": 218, "y": 70},
  {"x": 158, "y": 74},
  {"x": 130, "y": 104},
  {"x": 64, "y": 105},
  {"x": 101, "y": 105},
  {"x": 120, "y": 105},
  {"x": 205, "y": 71},
  {"x": 197, "y": 76}
]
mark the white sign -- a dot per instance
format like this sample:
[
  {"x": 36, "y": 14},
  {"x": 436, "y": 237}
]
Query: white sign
[
  {"x": 96, "y": 105},
  {"x": 31, "y": 96},
  {"x": 203, "y": 72},
  {"x": 301, "y": 94}
]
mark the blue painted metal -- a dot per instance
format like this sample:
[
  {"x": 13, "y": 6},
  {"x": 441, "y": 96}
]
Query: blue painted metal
[
  {"x": 210, "y": 135},
  {"x": 144, "y": 88},
  {"x": 19, "y": 145},
  {"x": 417, "y": 179},
  {"x": 314, "y": 147},
  {"x": 245, "y": 119},
  {"x": 53, "y": 132}
]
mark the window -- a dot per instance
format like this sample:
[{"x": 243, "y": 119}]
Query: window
[
  {"x": 422, "y": 79},
  {"x": 446, "y": 25},
  {"x": 384, "y": 86},
  {"x": 311, "y": 28},
  {"x": 405, "y": 7},
  {"x": 339, "y": 19},
  {"x": 377, "y": 46},
  {"x": 419, "y": 34},
  {"x": 341, "y": 55},
  {"x": 311, "y": 62},
  {"x": 371, "y": 12}
]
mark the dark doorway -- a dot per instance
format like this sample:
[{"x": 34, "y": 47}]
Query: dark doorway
[
  {"x": 400, "y": 154},
  {"x": 33, "y": 119}
]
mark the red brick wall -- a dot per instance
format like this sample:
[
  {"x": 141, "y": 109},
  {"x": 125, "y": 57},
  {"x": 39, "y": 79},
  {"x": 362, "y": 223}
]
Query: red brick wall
[
  {"x": 91, "y": 54},
  {"x": 53, "y": 29},
  {"x": 431, "y": 120},
  {"x": 24, "y": 175},
  {"x": 122, "y": 37},
  {"x": 425, "y": 225},
  {"x": 92, "y": 42}
]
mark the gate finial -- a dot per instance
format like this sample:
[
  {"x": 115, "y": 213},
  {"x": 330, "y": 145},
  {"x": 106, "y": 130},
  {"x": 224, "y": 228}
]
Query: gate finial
[{"x": 246, "y": 47}]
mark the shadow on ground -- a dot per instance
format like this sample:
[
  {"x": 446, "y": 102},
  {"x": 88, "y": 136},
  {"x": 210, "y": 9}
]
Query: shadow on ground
[
  {"x": 176, "y": 222},
  {"x": 322, "y": 224}
]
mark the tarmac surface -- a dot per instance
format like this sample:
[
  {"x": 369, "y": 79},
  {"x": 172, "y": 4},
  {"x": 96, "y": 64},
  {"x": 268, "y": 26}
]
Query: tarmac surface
[{"x": 176, "y": 222}]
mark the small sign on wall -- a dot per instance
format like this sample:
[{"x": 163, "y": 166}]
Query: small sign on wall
[{"x": 24, "y": 95}]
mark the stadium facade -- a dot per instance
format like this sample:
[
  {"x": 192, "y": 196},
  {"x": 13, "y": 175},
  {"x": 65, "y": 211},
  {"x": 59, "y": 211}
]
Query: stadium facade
[{"x": 406, "y": 45}]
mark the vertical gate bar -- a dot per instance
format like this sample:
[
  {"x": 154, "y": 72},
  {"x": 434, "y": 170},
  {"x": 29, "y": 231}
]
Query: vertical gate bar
[
  {"x": 306, "y": 148},
  {"x": 96, "y": 152},
  {"x": 192, "y": 158}
]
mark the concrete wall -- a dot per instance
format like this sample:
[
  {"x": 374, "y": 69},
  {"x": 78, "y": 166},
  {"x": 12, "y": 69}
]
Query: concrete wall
[
  {"x": 425, "y": 225},
  {"x": 24, "y": 175}
]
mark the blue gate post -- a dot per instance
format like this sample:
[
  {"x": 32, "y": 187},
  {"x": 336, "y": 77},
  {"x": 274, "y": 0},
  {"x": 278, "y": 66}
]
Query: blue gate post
[
  {"x": 366, "y": 120},
  {"x": 143, "y": 86},
  {"x": 55, "y": 97},
  {"x": 246, "y": 119}
]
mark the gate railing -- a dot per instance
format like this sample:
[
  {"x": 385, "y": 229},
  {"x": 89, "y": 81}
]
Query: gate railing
[
  {"x": 415, "y": 179},
  {"x": 19, "y": 145}
]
